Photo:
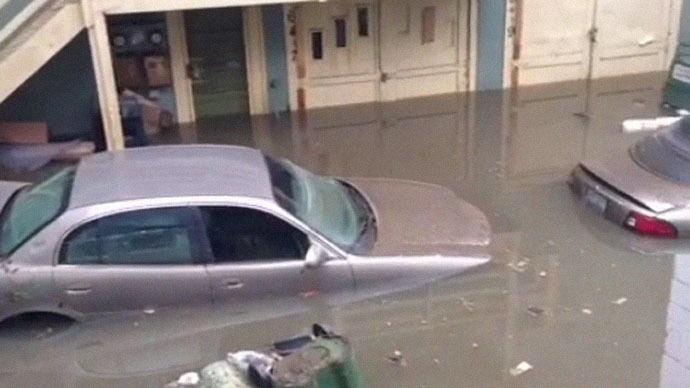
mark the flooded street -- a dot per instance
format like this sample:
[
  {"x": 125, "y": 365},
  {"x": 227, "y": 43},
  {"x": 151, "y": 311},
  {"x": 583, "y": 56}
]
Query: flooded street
[{"x": 580, "y": 300}]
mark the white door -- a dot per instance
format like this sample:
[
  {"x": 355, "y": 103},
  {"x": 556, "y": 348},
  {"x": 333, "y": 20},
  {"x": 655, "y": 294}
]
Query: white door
[
  {"x": 423, "y": 47},
  {"x": 337, "y": 43},
  {"x": 631, "y": 37},
  {"x": 570, "y": 40},
  {"x": 553, "y": 41}
]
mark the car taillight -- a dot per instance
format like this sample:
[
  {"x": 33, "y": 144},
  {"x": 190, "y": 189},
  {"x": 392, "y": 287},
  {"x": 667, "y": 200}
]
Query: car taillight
[{"x": 650, "y": 226}]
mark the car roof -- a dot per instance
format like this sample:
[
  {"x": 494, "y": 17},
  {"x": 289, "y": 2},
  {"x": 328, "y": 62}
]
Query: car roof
[{"x": 170, "y": 171}]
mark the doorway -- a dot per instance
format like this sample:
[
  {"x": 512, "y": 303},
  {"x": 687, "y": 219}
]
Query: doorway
[{"x": 217, "y": 63}]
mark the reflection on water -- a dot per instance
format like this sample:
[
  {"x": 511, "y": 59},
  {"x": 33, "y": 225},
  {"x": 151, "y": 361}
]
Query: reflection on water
[{"x": 548, "y": 297}]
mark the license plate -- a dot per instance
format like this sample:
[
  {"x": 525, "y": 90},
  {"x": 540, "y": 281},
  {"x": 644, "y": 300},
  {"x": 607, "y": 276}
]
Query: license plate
[
  {"x": 596, "y": 201},
  {"x": 681, "y": 73}
]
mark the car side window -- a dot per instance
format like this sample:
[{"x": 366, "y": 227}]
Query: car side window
[
  {"x": 147, "y": 237},
  {"x": 239, "y": 234}
]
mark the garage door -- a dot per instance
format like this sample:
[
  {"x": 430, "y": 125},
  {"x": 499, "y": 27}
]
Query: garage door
[
  {"x": 358, "y": 52},
  {"x": 568, "y": 40}
]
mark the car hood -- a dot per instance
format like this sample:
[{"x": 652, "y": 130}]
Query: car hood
[
  {"x": 421, "y": 219},
  {"x": 8, "y": 188},
  {"x": 625, "y": 175}
]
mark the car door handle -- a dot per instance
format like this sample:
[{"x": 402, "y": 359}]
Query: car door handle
[
  {"x": 232, "y": 284},
  {"x": 78, "y": 291}
]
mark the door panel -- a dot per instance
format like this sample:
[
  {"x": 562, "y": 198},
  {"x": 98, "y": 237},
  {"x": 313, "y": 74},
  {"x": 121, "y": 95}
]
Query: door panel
[
  {"x": 118, "y": 288},
  {"x": 554, "y": 41},
  {"x": 347, "y": 72},
  {"x": 422, "y": 47},
  {"x": 218, "y": 67},
  {"x": 632, "y": 37},
  {"x": 262, "y": 290}
]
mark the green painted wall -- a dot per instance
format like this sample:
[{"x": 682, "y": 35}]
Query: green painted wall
[{"x": 62, "y": 93}]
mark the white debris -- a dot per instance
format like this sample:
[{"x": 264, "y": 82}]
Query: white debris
[
  {"x": 149, "y": 311},
  {"x": 619, "y": 301},
  {"x": 190, "y": 378},
  {"x": 424, "y": 322},
  {"x": 520, "y": 368},
  {"x": 397, "y": 358},
  {"x": 475, "y": 345},
  {"x": 437, "y": 361},
  {"x": 542, "y": 274},
  {"x": 469, "y": 306},
  {"x": 683, "y": 112},
  {"x": 638, "y": 125},
  {"x": 587, "y": 311},
  {"x": 517, "y": 268},
  {"x": 389, "y": 323}
]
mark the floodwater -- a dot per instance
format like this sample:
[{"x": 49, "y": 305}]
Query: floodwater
[{"x": 582, "y": 301}]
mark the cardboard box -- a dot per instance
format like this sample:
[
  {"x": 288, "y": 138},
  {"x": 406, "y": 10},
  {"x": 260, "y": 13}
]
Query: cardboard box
[
  {"x": 128, "y": 73},
  {"x": 157, "y": 71},
  {"x": 24, "y": 132}
]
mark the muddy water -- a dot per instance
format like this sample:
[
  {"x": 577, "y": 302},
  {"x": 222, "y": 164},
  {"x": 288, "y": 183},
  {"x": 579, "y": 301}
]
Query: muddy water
[{"x": 581, "y": 301}]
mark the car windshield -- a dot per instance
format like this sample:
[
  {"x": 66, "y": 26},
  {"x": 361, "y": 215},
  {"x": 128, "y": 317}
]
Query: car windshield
[
  {"x": 666, "y": 153},
  {"x": 325, "y": 204},
  {"x": 32, "y": 208}
]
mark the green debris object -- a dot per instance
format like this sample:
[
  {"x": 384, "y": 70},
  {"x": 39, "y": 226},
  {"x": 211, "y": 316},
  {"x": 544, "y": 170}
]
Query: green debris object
[
  {"x": 322, "y": 363},
  {"x": 677, "y": 90}
]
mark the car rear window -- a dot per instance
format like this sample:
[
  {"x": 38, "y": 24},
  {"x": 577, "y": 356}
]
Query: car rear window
[
  {"x": 666, "y": 153},
  {"x": 32, "y": 208}
]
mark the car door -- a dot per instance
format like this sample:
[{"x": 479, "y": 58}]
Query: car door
[
  {"x": 258, "y": 268},
  {"x": 143, "y": 260}
]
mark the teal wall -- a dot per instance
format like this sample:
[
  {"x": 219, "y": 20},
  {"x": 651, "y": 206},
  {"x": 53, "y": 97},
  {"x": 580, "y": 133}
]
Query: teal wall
[
  {"x": 276, "y": 65},
  {"x": 491, "y": 44},
  {"x": 684, "y": 36},
  {"x": 62, "y": 93}
]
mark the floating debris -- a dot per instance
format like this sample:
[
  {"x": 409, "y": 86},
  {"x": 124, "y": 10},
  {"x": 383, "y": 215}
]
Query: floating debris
[
  {"x": 397, "y": 358},
  {"x": 469, "y": 306},
  {"x": 475, "y": 345},
  {"x": 587, "y": 311},
  {"x": 520, "y": 368},
  {"x": 189, "y": 378},
  {"x": 542, "y": 274},
  {"x": 517, "y": 268},
  {"x": 550, "y": 243},
  {"x": 437, "y": 361},
  {"x": 535, "y": 311},
  {"x": 389, "y": 323},
  {"x": 424, "y": 322},
  {"x": 619, "y": 301},
  {"x": 149, "y": 311}
]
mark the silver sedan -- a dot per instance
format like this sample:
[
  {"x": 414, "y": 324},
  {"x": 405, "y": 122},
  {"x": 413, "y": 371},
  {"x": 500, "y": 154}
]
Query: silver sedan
[
  {"x": 158, "y": 227},
  {"x": 645, "y": 189}
]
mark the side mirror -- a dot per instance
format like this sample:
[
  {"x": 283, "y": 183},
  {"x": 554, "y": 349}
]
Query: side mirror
[{"x": 315, "y": 257}]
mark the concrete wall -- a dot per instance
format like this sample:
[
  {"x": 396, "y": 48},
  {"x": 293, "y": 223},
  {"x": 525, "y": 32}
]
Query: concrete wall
[
  {"x": 491, "y": 44},
  {"x": 62, "y": 93}
]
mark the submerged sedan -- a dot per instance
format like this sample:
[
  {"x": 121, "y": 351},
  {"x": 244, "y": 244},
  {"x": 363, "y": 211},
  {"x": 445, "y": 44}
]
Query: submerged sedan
[
  {"x": 647, "y": 188},
  {"x": 157, "y": 227}
]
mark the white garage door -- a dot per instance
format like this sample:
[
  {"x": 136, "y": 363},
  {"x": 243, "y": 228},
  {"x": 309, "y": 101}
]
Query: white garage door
[
  {"x": 365, "y": 51},
  {"x": 567, "y": 40}
]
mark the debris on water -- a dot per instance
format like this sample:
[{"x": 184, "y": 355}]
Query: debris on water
[
  {"x": 437, "y": 361},
  {"x": 587, "y": 311},
  {"x": 583, "y": 115},
  {"x": 45, "y": 333},
  {"x": 542, "y": 274},
  {"x": 469, "y": 306},
  {"x": 619, "y": 301},
  {"x": 424, "y": 322},
  {"x": 189, "y": 378},
  {"x": 397, "y": 358},
  {"x": 389, "y": 323},
  {"x": 520, "y": 368},
  {"x": 475, "y": 345},
  {"x": 149, "y": 311},
  {"x": 550, "y": 243},
  {"x": 444, "y": 319},
  {"x": 309, "y": 294},
  {"x": 136, "y": 324},
  {"x": 515, "y": 267},
  {"x": 535, "y": 311},
  {"x": 638, "y": 125}
]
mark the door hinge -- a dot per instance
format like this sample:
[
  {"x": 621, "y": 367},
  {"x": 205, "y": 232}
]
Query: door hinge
[{"x": 592, "y": 33}]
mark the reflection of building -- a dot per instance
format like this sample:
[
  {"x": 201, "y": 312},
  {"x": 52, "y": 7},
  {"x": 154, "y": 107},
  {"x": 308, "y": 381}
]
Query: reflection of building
[{"x": 675, "y": 368}]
